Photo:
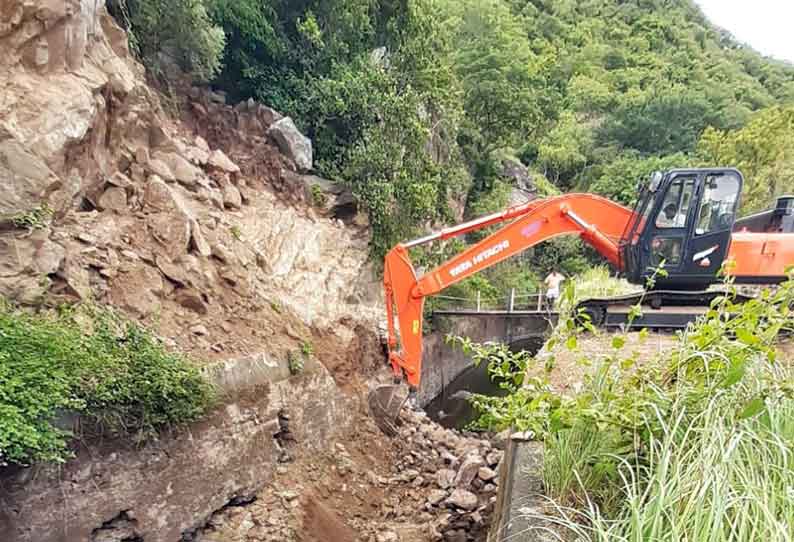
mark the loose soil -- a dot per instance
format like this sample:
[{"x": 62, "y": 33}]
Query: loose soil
[{"x": 368, "y": 488}]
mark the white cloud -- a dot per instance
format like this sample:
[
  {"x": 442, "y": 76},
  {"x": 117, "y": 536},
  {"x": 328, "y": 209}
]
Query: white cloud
[{"x": 766, "y": 25}]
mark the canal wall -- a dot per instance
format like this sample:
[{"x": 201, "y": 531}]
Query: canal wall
[{"x": 443, "y": 362}]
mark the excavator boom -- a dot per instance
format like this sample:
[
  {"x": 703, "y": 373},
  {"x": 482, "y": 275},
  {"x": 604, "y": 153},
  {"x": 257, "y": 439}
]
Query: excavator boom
[{"x": 598, "y": 221}]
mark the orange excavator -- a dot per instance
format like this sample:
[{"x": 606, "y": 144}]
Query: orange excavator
[{"x": 684, "y": 219}]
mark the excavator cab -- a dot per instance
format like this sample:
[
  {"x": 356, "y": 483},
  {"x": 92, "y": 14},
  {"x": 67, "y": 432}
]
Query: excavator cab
[{"x": 682, "y": 222}]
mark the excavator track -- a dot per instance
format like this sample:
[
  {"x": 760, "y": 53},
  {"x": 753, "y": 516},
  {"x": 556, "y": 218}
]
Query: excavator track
[{"x": 661, "y": 309}]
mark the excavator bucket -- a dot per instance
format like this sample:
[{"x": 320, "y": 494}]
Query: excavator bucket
[{"x": 385, "y": 403}]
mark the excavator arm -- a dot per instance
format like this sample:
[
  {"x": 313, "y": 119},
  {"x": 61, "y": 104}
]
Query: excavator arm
[{"x": 598, "y": 221}]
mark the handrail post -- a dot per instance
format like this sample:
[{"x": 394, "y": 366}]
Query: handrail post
[
  {"x": 478, "y": 301},
  {"x": 512, "y": 299},
  {"x": 540, "y": 299}
]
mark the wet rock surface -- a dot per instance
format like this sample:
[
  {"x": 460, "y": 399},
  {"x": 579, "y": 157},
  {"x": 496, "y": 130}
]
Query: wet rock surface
[{"x": 368, "y": 488}]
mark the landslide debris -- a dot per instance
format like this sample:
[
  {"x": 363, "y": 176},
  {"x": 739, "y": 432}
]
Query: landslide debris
[
  {"x": 427, "y": 484},
  {"x": 203, "y": 227}
]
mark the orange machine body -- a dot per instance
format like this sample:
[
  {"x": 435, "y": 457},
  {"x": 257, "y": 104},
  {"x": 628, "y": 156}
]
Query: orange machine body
[
  {"x": 534, "y": 223},
  {"x": 757, "y": 256}
]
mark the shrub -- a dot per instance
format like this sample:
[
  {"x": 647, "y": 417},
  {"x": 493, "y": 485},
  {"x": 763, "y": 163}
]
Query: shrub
[
  {"x": 116, "y": 375},
  {"x": 179, "y": 30},
  {"x": 35, "y": 219}
]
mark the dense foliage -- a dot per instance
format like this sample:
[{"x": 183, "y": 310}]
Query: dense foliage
[
  {"x": 174, "y": 31},
  {"x": 90, "y": 362},
  {"x": 414, "y": 102},
  {"x": 763, "y": 150}
]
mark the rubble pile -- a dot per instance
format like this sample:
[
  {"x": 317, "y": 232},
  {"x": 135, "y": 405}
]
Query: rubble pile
[
  {"x": 454, "y": 478},
  {"x": 427, "y": 484}
]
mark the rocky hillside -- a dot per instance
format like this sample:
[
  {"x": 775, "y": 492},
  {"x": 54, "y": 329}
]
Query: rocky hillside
[{"x": 208, "y": 228}]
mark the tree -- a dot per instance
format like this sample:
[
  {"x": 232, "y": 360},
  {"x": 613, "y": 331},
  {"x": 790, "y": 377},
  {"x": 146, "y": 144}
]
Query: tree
[
  {"x": 177, "y": 30},
  {"x": 664, "y": 120},
  {"x": 763, "y": 151},
  {"x": 618, "y": 180},
  {"x": 501, "y": 76}
]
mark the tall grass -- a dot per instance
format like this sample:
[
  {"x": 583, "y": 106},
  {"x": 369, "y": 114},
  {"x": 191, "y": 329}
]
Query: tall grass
[
  {"x": 708, "y": 475},
  {"x": 594, "y": 283},
  {"x": 695, "y": 445}
]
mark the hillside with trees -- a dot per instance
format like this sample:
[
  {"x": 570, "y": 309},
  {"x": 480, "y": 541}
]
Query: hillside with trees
[{"x": 416, "y": 103}]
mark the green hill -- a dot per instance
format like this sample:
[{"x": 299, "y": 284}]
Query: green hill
[{"x": 414, "y": 103}]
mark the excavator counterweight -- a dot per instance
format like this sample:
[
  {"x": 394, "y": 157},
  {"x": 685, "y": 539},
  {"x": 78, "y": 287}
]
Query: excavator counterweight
[{"x": 684, "y": 221}]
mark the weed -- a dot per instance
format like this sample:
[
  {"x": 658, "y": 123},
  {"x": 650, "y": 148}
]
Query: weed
[
  {"x": 35, "y": 219},
  {"x": 236, "y": 232},
  {"x": 307, "y": 349},
  {"x": 693, "y": 444},
  {"x": 295, "y": 363},
  {"x": 319, "y": 197}
]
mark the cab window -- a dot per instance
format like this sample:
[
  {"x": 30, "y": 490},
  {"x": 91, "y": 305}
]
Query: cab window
[
  {"x": 666, "y": 250},
  {"x": 675, "y": 206},
  {"x": 718, "y": 204}
]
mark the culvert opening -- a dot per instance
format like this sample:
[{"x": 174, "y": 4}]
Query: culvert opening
[{"x": 452, "y": 408}]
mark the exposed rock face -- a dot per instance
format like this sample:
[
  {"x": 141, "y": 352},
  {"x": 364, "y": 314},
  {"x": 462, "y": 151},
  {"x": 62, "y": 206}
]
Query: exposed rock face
[
  {"x": 25, "y": 177},
  {"x": 167, "y": 490},
  {"x": 195, "y": 227},
  {"x": 82, "y": 135},
  {"x": 61, "y": 61},
  {"x": 518, "y": 175},
  {"x": 292, "y": 143}
]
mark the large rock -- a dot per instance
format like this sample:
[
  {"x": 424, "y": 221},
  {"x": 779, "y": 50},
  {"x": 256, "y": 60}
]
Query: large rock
[
  {"x": 523, "y": 187},
  {"x": 25, "y": 178},
  {"x": 292, "y": 143},
  {"x": 161, "y": 169},
  {"x": 184, "y": 172},
  {"x": 113, "y": 199},
  {"x": 25, "y": 262},
  {"x": 218, "y": 160},
  {"x": 171, "y": 223},
  {"x": 463, "y": 499},
  {"x": 468, "y": 471},
  {"x": 171, "y": 230},
  {"x": 231, "y": 197}
]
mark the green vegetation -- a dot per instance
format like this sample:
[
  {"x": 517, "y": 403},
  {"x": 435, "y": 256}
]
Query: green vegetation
[
  {"x": 307, "y": 349},
  {"x": 692, "y": 444},
  {"x": 35, "y": 219},
  {"x": 318, "y": 196},
  {"x": 296, "y": 359},
  {"x": 412, "y": 104},
  {"x": 763, "y": 151},
  {"x": 175, "y": 31},
  {"x": 91, "y": 362}
]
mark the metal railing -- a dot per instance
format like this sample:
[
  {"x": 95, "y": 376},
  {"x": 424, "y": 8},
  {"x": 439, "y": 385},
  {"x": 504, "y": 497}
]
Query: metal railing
[{"x": 511, "y": 302}]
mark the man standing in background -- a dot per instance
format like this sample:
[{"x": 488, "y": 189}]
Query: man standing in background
[{"x": 553, "y": 282}]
